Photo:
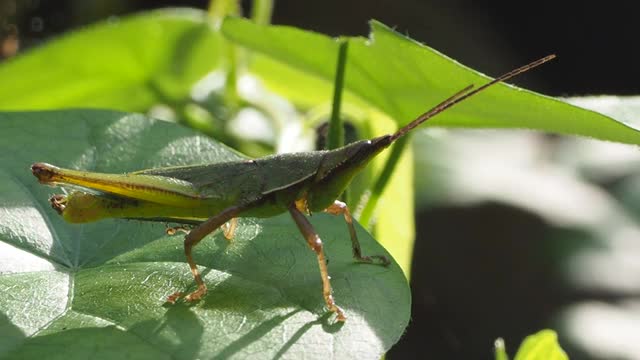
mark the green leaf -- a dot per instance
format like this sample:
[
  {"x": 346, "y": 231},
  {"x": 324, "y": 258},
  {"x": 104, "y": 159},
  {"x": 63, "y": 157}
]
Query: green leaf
[
  {"x": 541, "y": 346},
  {"x": 97, "y": 290},
  {"x": 129, "y": 64},
  {"x": 403, "y": 78}
]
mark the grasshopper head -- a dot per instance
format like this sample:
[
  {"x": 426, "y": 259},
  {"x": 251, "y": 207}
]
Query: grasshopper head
[
  {"x": 338, "y": 168},
  {"x": 352, "y": 158},
  {"x": 360, "y": 156}
]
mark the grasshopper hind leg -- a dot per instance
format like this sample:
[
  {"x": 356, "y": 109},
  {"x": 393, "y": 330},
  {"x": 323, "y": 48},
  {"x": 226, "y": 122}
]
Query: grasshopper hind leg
[{"x": 338, "y": 208}]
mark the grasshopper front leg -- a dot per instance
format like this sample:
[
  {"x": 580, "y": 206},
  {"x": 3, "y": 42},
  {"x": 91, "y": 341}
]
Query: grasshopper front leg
[
  {"x": 315, "y": 243},
  {"x": 192, "y": 239},
  {"x": 337, "y": 208}
]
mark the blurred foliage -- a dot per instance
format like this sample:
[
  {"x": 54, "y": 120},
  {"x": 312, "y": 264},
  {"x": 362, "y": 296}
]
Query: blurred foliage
[{"x": 124, "y": 64}]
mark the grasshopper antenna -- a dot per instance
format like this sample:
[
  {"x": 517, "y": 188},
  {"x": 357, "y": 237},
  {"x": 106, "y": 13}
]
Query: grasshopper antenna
[{"x": 464, "y": 94}]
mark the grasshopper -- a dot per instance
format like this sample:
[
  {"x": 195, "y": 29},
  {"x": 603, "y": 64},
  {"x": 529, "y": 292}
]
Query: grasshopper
[{"x": 213, "y": 196}]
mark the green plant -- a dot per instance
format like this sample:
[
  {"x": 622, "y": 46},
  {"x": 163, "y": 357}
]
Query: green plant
[{"x": 542, "y": 345}]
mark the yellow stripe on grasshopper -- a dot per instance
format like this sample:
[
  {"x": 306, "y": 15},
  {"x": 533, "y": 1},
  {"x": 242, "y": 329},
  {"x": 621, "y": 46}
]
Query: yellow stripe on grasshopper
[{"x": 157, "y": 189}]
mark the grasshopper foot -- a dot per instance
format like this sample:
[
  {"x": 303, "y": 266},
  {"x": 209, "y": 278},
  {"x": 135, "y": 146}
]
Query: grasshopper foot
[
  {"x": 340, "y": 316},
  {"x": 331, "y": 305},
  {"x": 374, "y": 259},
  {"x": 194, "y": 296},
  {"x": 171, "y": 299}
]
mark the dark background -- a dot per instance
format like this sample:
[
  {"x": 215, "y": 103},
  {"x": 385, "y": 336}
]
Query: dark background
[{"x": 471, "y": 282}]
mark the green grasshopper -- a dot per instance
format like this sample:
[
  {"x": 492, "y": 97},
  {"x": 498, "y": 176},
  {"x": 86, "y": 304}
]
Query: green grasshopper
[{"x": 300, "y": 183}]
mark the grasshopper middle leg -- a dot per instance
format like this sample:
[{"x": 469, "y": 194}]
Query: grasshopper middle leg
[
  {"x": 337, "y": 208},
  {"x": 229, "y": 228},
  {"x": 192, "y": 239},
  {"x": 313, "y": 239}
]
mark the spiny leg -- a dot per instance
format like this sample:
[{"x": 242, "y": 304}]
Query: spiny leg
[
  {"x": 229, "y": 228},
  {"x": 313, "y": 239},
  {"x": 192, "y": 239},
  {"x": 337, "y": 208}
]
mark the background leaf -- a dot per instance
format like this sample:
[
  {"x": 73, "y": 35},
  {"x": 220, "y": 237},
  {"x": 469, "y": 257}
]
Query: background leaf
[
  {"x": 405, "y": 84},
  {"x": 73, "y": 291},
  {"x": 541, "y": 346},
  {"x": 127, "y": 63}
]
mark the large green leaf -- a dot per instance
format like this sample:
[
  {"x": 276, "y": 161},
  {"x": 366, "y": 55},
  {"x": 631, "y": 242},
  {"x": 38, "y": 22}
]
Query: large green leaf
[
  {"x": 97, "y": 290},
  {"x": 402, "y": 78},
  {"x": 127, "y": 64}
]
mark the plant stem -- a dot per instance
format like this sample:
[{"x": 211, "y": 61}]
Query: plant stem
[
  {"x": 500, "y": 350},
  {"x": 231, "y": 87},
  {"x": 383, "y": 179},
  {"x": 335, "y": 137},
  {"x": 218, "y": 9},
  {"x": 261, "y": 11}
]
